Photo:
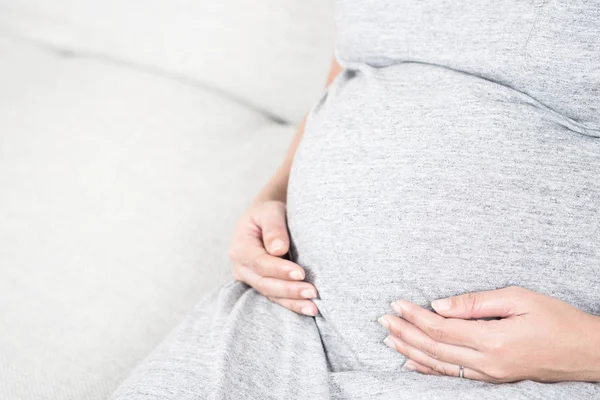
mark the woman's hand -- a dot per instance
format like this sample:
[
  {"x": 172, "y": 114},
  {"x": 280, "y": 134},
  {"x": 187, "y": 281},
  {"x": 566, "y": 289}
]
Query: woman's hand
[
  {"x": 539, "y": 337},
  {"x": 260, "y": 240}
]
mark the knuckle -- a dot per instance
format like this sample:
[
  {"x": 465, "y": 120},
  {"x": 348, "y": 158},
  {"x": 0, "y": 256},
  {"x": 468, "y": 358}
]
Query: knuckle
[
  {"x": 396, "y": 331},
  {"x": 471, "y": 301},
  {"x": 262, "y": 286},
  {"x": 495, "y": 345},
  {"x": 436, "y": 331},
  {"x": 275, "y": 228},
  {"x": 287, "y": 289},
  {"x": 432, "y": 349},
  {"x": 448, "y": 369},
  {"x": 440, "y": 368}
]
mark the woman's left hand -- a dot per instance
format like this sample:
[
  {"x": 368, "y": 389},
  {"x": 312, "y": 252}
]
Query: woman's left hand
[{"x": 538, "y": 337}]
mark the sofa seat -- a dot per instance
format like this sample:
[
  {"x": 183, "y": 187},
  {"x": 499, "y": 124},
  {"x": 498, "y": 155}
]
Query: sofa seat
[{"x": 118, "y": 192}]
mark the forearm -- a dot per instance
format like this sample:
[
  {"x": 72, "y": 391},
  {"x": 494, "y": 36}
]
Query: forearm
[{"x": 276, "y": 187}]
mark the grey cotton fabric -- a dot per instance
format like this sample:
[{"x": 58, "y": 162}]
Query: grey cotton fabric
[{"x": 458, "y": 151}]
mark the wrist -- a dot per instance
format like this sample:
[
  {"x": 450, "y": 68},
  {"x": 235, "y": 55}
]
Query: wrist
[{"x": 275, "y": 189}]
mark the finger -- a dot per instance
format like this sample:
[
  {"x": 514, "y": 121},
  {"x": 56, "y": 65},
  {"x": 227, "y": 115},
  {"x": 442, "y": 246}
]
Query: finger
[
  {"x": 304, "y": 307},
  {"x": 272, "y": 287},
  {"x": 440, "y": 351},
  {"x": 415, "y": 366},
  {"x": 444, "y": 330},
  {"x": 493, "y": 303},
  {"x": 272, "y": 221},
  {"x": 438, "y": 366},
  {"x": 275, "y": 267},
  {"x": 254, "y": 256}
]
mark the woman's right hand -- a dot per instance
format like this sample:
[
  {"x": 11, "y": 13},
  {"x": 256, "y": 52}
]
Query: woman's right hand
[{"x": 259, "y": 241}]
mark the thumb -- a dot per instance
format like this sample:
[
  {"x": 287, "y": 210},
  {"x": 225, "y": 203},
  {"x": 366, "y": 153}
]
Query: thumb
[
  {"x": 494, "y": 303},
  {"x": 272, "y": 222}
]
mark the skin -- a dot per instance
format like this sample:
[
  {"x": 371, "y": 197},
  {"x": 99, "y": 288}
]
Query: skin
[
  {"x": 537, "y": 337},
  {"x": 260, "y": 240},
  {"x": 534, "y": 337}
]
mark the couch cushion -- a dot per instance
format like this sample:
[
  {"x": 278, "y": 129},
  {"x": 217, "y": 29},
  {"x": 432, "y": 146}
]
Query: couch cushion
[
  {"x": 119, "y": 192},
  {"x": 271, "y": 53}
]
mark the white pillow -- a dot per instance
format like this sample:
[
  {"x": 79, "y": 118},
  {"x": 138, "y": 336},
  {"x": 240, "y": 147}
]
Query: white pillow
[{"x": 272, "y": 54}]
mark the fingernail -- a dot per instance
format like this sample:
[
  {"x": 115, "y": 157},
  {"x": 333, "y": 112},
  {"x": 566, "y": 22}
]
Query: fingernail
[
  {"x": 441, "y": 305},
  {"x": 308, "y": 311},
  {"x": 384, "y": 322},
  {"x": 396, "y": 307},
  {"x": 389, "y": 343},
  {"x": 308, "y": 293},
  {"x": 296, "y": 275},
  {"x": 277, "y": 244},
  {"x": 410, "y": 365}
]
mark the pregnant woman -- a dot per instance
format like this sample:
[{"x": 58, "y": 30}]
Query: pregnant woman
[{"x": 444, "y": 227}]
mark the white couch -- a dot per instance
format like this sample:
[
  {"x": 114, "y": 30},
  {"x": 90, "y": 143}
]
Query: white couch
[{"x": 132, "y": 135}]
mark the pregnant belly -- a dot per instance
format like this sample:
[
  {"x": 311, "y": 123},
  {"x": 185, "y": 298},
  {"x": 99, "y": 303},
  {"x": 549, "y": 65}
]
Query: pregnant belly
[{"x": 417, "y": 182}]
